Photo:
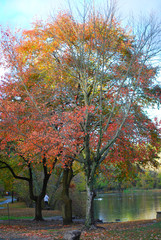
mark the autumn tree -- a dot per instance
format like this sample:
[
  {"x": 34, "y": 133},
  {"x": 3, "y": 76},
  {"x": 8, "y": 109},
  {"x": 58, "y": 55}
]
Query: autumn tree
[
  {"x": 110, "y": 72},
  {"x": 35, "y": 129},
  {"x": 7, "y": 179},
  {"x": 82, "y": 78},
  {"x": 25, "y": 144},
  {"x": 19, "y": 128},
  {"x": 134, "y": 155}
]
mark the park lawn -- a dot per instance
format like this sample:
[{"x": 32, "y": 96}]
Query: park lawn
[
  {"x": 14, "y": 205},
  {"x": 136, "y": 230},
  {"x": 20, "y": 225},
  {"x": 25, "y": 213},
  {"x": 18, "y": 210}
]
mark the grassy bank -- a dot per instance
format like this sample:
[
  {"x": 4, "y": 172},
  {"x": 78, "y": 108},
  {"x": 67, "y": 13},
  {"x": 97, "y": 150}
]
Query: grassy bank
[{"x": 129, "y": 190}]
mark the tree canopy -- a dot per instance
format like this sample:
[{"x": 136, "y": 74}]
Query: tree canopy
[{"x": 75, "y": 89}]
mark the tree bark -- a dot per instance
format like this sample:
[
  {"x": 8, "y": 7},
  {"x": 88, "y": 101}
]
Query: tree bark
[
  {"x": 38, "y": 209},
  {"x": 12, "y": 196},
  {"x": 90, "y": 205},
  {"x": 66, "y": 210},
  {"x": 38, "y": 199},
  {"x": 66, "y": 201}
]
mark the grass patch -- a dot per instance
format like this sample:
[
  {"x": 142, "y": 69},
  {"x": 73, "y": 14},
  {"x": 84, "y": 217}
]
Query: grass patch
[
  {"x": 15, "y": 218},
  {"x": 15, "y": 205},
  {"x": 133, "y": 190},
  {"x": 17, "y": 212}
]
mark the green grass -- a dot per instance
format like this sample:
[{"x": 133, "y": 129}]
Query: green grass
[
  {"x": 14, "y": 218},
  {"x": 15, "y": 205},
  {"x": 18, "y": 205},
  {"x": 131, "y": 190}
]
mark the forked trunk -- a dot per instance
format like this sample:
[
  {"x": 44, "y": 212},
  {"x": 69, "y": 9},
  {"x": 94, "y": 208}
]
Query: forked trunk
[
  {"x": 90, "y": 206},
  {"x": 38, "y": 199}
]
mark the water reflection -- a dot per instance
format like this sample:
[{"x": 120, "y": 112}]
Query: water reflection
[{"x": 127, "y": 206}]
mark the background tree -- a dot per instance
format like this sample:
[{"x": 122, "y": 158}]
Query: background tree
[
  {"x": 33, "y": 124},
  {"x": 27, "y": 174},
  {"x": 21, "y": 123}
]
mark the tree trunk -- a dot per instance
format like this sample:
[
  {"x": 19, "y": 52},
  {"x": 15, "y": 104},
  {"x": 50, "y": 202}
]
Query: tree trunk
[
  {"x": 66, "y": 201},
  {"x": 38, "y": 199},
  {"x": 90, "y": 205},
  {"x": 66, "y": 209},
  {"x": 12, "y": 196},
  {"x": 38, "y": 209}
]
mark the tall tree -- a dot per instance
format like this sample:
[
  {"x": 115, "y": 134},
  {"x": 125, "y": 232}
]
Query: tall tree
[
  {"x": 83, "y": 78},
  {"x": 137, "y": 147},
  {"x": 112, "y": 72}
]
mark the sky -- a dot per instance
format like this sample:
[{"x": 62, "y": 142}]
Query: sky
[{"x": 21, "y": 13}]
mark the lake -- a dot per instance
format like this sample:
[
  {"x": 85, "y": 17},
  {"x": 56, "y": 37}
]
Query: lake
[{"x": 130, "y": 206}]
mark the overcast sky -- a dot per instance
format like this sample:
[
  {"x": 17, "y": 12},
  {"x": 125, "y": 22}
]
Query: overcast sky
[{"x": 21, "y": 13}]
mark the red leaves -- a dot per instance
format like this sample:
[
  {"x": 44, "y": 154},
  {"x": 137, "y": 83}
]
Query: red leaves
[{"x": 59, "y": 68}]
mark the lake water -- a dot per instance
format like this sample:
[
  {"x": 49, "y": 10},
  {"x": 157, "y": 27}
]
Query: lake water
[{"x": 127, "y": 206}]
